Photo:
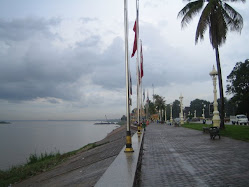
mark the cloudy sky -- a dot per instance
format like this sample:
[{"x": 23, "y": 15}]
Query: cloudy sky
[{"x": 64, "y": 59}]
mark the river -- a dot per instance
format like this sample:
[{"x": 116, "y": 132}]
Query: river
[{"x": 21, "y": 138}]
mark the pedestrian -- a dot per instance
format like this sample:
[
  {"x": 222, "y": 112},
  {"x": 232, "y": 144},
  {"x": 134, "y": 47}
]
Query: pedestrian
[
  {"x": 147, "y": 122},
  {"x": 144, "y": 126}
]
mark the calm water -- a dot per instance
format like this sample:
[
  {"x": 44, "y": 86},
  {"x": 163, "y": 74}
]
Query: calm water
[{"x": 21, "y": 138}]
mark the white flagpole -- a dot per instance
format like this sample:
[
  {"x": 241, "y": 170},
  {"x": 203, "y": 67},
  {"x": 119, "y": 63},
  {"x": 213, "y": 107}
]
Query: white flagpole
[
  {"x": 138, "y": 111},
  {"x": 138, "y": 60},
  {"x": 127, "y": 71}
]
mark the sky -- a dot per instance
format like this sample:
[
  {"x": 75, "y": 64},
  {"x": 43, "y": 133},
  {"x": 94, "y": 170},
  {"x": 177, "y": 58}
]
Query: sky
[{"x": 64, "y": 60}]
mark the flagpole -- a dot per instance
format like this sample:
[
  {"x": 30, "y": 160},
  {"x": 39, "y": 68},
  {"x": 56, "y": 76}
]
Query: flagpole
[
  {"x": 141, "y": 81},
  {"x": 128, "y": 132},
  {"x": 138, "y": 64},
  {"x": 138, "y": 111}
]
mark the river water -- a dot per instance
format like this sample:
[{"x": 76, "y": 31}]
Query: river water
[{"x": 21, "y": 138}]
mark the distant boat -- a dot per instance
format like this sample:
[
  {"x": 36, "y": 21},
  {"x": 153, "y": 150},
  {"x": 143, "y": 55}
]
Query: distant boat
[{"x": 105, "y": 122}]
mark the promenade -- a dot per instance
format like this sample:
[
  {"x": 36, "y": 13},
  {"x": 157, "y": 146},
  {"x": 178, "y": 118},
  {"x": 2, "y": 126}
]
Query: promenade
[{"x": 177, "y": 156}]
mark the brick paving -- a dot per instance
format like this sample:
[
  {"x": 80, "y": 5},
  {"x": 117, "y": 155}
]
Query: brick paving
[{"x": 177, "y": 156}]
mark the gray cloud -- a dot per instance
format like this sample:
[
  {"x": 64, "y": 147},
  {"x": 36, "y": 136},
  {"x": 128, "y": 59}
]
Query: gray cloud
[
  {"x": 87, "y": 20},
  {"x": 110, "y": 72},
  {"x": 22, "y": 29},
  {"x": 37, "y": 69}
]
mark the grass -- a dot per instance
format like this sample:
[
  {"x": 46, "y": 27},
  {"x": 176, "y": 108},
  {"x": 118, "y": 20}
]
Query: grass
[
  {"x": 37, "y": 164},
  {"x": 121, "y": 123},
  {"x": 233, "y": 131}
]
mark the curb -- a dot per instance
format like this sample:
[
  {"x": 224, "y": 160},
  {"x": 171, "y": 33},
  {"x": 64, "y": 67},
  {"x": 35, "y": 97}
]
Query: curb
[{"x": 124, "y": 170}]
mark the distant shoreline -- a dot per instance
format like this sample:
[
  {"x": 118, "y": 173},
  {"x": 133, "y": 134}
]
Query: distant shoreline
[{"x": 4, "y": 122}]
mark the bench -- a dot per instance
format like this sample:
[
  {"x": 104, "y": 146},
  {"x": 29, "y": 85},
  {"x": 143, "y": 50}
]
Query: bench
[
  {"x": 205, "y": 129},
  {"x": 177, "y": 124},
  {"x": 214, "y": 131}
]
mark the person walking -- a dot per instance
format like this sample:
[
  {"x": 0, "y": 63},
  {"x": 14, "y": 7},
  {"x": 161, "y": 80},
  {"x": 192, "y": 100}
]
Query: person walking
[{"x": 144, "y": 126}]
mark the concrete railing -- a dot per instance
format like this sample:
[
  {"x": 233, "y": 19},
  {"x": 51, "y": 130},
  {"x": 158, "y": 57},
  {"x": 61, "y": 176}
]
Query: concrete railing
[{"x": 122, "y": 171}]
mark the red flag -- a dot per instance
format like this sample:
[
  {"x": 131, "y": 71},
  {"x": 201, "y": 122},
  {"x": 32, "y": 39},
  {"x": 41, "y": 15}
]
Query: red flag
[
  {"x": 142, "y": 58},
  {"x": 135, "y": 40}
]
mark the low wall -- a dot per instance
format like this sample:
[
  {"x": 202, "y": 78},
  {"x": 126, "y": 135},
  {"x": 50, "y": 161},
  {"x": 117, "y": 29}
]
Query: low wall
[{"x": 122, "y": 171}]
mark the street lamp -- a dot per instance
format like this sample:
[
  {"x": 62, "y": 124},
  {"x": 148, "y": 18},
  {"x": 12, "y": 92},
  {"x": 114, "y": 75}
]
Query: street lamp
[
  {"x": 165, "y": 113},
  {"x": 181, "y": 114},
  {"x": 216, "y": 117},
  {"x": 203, "y": 111}
]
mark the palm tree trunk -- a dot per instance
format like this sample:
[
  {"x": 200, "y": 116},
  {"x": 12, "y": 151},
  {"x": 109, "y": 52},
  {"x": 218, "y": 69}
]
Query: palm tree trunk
[{"x": 222, "y": 126}]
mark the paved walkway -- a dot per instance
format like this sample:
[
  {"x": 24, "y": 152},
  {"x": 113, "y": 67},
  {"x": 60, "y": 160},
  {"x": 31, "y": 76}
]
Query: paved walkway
[{"x": 177, "y": 156}]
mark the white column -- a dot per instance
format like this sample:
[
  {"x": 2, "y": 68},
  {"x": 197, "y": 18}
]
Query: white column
[
  {"x": 171, "y": 118},
  {"x": 181, "y": 114}
]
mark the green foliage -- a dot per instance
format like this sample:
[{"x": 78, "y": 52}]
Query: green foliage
[
  {"x": 238, "y": 86},
  {"x": 198, "y": 105},
  {"x": 233, "y": 131},
  {"x": 230, "y": 107},
  {"x": 159, "y": 102},
  {"x": 176, "y": 109},
  {"x": 152, "y": 108},
  {"x": 35, "y": 164}
]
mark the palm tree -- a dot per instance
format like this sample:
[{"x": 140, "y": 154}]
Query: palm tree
[
  {"x": 218, "y": 17},
  {"x": 159, "y": 103}
]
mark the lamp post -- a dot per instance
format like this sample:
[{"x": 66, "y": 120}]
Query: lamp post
[
  {"x": 171, "y": 119},
  {"x": 181, "y": 114},
  {"x": 216, "y": 117},
  {"x": 195, "y": 114},
  {"x": 165, "y": 112},
  {"x": 203, "y": 111}
]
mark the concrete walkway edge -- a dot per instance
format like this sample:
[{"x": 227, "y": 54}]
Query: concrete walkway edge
[{"x": 122, "y": 171}]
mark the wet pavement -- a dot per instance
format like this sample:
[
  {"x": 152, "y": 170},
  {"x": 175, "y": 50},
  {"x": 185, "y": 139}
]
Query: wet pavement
[{"x": 177, "y": 156}]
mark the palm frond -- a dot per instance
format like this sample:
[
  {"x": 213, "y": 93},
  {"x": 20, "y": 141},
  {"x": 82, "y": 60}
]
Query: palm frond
[
  {"x": 233, "y": 19},
  {"x": 190, "y": 10},
  {"x": 218, "y": 27},
  {"x": 203, "y": 23},
  {"x": 235, "y": 1}
]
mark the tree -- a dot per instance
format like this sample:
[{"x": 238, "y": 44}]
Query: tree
[
  {"x": 176, "y": 109},
  {"x": 230, "y": 107},
  {"x": 123, "y": 118},
  {"x": 152, "y": 109},
  {"x": 159, "y": 103},
  {"x": 218, "y": 17},
  {"x": 168, "y": 112},
  {"x": 198, "y": 105},
  {"x": 238, "y": 86}
]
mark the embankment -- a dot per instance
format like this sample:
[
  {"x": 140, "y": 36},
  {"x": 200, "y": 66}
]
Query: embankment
[{"x": 86, "y": 167}]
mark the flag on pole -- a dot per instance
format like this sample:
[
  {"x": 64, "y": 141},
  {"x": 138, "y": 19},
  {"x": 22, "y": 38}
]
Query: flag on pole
[
  {"x": 142, "y": 58},
  {"x": 135, "y": 40}
]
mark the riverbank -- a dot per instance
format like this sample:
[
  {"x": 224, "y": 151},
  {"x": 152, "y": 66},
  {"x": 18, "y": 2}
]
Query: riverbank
[{"x": 86, "y": 166}]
